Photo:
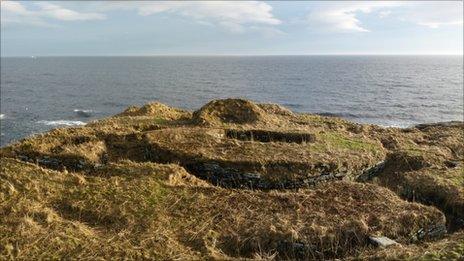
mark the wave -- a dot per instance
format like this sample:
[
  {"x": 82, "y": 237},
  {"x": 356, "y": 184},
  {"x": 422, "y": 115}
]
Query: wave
[
  {"x": 83, "y": 113},
  {"x": 62, "y": 123}
]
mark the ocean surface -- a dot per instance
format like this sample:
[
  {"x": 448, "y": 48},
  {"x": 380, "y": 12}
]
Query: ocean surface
[{"x": 41, "y": 93}]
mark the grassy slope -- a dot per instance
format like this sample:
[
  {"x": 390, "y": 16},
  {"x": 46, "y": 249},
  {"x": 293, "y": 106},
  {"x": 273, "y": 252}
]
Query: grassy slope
[
  {"x": 160, "y": 211},
  {"x": 105, "y": 199}
]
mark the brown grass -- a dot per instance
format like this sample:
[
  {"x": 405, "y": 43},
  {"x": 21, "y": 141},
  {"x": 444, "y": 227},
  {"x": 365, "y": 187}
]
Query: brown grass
[
  {"x": 160, "y": 211},
  {"x": 124, "y": 187}
]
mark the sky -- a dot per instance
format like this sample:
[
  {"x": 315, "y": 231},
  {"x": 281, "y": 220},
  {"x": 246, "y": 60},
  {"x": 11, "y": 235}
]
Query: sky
[{"x": 87, "y": 28}]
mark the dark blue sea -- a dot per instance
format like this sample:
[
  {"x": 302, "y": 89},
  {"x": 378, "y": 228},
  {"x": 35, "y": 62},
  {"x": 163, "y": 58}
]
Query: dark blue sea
[{"x": 40, "y": 93}]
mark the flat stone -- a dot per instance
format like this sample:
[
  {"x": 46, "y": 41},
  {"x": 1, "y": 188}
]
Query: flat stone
[
  {"x": 251, "y": 175},
  {"x": 382, "y": 241}
]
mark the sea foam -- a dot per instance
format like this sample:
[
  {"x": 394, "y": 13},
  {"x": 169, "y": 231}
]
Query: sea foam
[
  {"x": 83, "y": 113},
  {"x": 62, "y": 123}
]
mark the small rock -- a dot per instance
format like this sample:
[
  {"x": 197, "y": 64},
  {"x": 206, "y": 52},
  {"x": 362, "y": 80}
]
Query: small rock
[
  {"x": 433, "y": 232},
  {"x": 23, "y": 158},
  {"x": 251, "y": 175},
  {"x": 382, "y": 241},
  {"x": 47, "y": 161}
]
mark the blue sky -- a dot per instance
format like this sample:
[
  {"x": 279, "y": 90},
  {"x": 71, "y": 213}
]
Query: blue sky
[{"x": 233, "y": 28}]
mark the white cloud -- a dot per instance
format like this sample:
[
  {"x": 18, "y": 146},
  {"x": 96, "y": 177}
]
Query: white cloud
[
  {"x": 342, "y": 16},
  {"x": 235, "y": 16},
  {"x": 16, "y": 12},
  {"x": 222, "y": 11},
  {"x": 57, "y": 12},
  {"x": 14, "y": 7},
  {"x": 434, "y": 14}
]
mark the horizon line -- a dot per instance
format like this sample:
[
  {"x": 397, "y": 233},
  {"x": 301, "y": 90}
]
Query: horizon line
[{"x": 222, "y": 55}]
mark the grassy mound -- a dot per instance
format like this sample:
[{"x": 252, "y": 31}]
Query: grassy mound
[
  {"x": 155, "y": 109},
  {"x": 136, "y": 210},
  {"x": 237, "y": 111},
  {"x": 233, "y": 180},
  {"x": 425, "y": 164},
  {"x": 426, "y": 178},
  {"x": 275, "y": 109},
  {"x": 74, "y": 148}
]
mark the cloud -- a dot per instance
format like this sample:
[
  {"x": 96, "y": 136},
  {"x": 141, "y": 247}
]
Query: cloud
[
  {"x": 342, "y": 16},
  {"x": 221, "y": 11},
  {"x": 59, "y": 13},
  {"x": 434, "y": 14},
  {"x": 14, "y": 7},
  {"x": 16, "y": 12},
  {"x": 238, "y": 16},
  {"x": 235, "y": 17}
]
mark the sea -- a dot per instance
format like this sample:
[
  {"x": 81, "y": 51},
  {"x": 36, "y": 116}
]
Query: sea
[{"x": 41, "y": 93}]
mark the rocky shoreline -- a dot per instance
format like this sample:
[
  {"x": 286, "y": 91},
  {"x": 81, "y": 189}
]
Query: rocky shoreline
[{"x": 233, "y": 180}]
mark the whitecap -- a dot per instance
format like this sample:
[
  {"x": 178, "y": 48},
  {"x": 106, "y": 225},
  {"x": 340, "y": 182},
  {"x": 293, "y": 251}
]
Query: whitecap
[
  {"x": 83, "y": 113},
  {"x": 2, "y": 116},
  {"x": 62, "y": 123}
]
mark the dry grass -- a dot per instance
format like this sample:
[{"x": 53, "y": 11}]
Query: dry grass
[
  {"x": 426, "y": 164},
  {"x": 276, "y": 161},
  {"x": 450, "y": 248},
  {"x": 426, "y": 178},
  {"x": 236, "y": 111},
  {"x": 108, "y": 195},
  {"x": 156, "y": 109},
  {"x": 159, "y": 211}
]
